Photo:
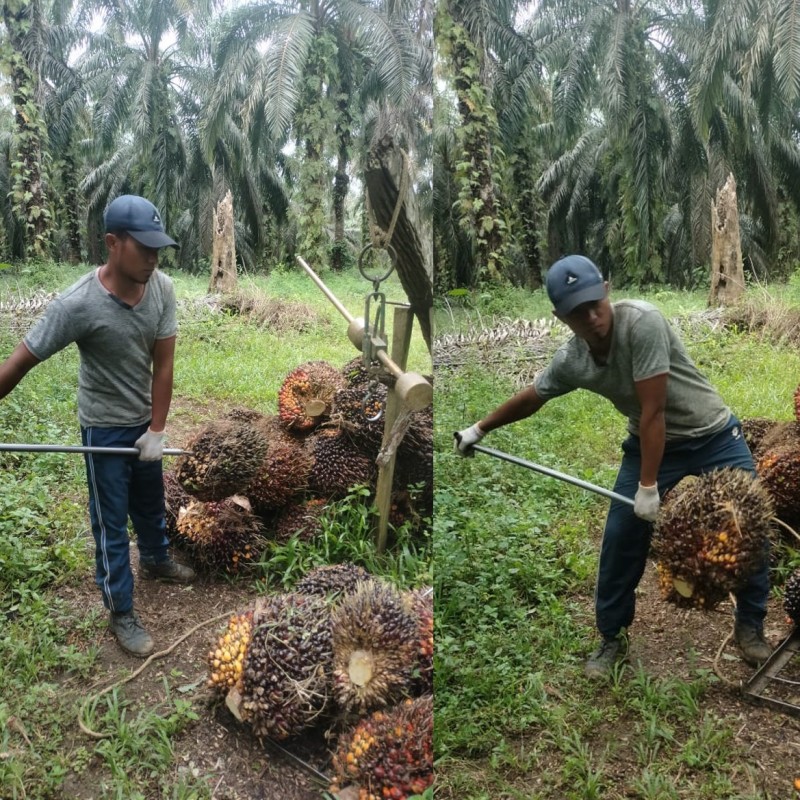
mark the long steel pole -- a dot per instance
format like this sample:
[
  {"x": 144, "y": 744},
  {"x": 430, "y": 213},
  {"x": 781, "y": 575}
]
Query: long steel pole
[
  {"x": 521, "y": 462},
  {"x": 108, "y": 451}
]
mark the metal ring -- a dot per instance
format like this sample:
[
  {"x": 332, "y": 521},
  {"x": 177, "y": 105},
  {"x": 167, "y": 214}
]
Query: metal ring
[{"x": 392, "y": 257}]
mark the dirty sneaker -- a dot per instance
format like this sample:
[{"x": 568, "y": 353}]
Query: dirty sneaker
[
  {"x": 754, "y": 647},
  {"x": 131, "y": 635},
  {"x": 168, "y": 570},
  {"x": 601, "y": 662}
]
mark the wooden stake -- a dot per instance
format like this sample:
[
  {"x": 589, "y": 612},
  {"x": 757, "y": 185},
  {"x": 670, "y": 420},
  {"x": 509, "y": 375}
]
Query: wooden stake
[{"x": 401, "y": 342}]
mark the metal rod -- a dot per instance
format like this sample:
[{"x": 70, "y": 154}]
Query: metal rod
[
  {"x": 520, "y": 462},
  {"x": 326, "y": 291},
  {"x": 107, "y": 451}
]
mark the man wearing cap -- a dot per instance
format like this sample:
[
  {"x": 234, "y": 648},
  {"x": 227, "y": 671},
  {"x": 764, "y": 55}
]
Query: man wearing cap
[
  {"x": 122, "y": 317},
  {"x": 678, "y": 425}
]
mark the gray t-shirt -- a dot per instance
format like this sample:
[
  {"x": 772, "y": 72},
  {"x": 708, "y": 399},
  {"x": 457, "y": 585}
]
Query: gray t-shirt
[
  {"x": 116, "y": 346},
  {"x": 643, "y": 345}
]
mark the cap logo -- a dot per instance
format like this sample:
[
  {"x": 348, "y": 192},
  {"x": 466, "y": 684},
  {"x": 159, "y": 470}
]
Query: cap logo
[
  {"x": 571, "y": 279},
  {"x": 156, "y": 218}
]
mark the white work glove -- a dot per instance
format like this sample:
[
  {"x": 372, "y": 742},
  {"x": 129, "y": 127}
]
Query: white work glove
[
  {"x": 647, "y": 502},
  {"x": 150, "y": 445},
  {"x": 466, "y": 438}
]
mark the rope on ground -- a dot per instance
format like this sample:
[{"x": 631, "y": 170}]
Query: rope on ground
[
  {"x": 718, "y": 672},
  {"x": 160, "y": 654},
  {"x": 788, "y": 528}
]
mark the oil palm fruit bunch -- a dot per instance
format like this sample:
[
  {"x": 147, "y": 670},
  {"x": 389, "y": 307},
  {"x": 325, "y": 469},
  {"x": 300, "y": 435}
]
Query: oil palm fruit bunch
[
  {"x": 306, "y": 395},
  {"x": 389, "y": 754},
  {"x": 414, "y": 465},
  {"x": 244, "y": 414},
  {"x": 778, "y": 466},
  {"x": 286, "y": 675},
  {"x": 175, "y": 498},
  {"x": 711, "y": 533},
  {"x": 332, "y": 579},
  {"x": 337, "y": 464},
  {"x": 355, "y": 373},
  {"x": 281, "y": 476},
  {"x": 754, "y": 431},
  {"x": 358, "y": 411},
  {"x": 226, "y": 657},
  {"x": 797, "y": 404},
  {"x": 302, "y": 521},
  {"x": 224, "y": 458},
  {"x": 220, "y": 535},
  {"x": 375, "y": 642},
  {"x": 791, "y": 597},
  {"x": 780, "y": 435},
  {"x": 419, "y": 602}
]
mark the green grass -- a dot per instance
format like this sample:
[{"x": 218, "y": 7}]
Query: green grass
[
  {"x": 515, "y": 557},
  {"x": 47, "y": 663}
]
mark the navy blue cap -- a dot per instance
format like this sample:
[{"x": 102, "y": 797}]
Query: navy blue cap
[
  {"x": 139, "y": 218},
  {"x": 573, "y": 280}
]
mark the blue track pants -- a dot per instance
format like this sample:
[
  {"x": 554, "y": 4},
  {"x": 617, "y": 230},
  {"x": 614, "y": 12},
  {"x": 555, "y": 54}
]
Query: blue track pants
[{"x": 121, "y": 487}]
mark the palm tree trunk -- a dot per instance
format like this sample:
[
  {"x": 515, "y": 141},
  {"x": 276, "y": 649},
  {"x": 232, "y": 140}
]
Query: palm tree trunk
[
  {"x": 341, "y": 184},
  {"x": 479, "y": 200},
  {"x": 28, "y": 188},
  {"x": 69, "y": 176},
  {"x": 384, "y": 179}
]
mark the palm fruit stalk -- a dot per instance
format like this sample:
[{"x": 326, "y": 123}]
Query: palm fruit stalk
[
  {"x": 419, "y": 602},
  {"x": 282, "y": 475},
  {"x": 791, "y": 597},
  {"x": 221, "y": 535},
  {"x": 286, "y": 677},
  {"x": 375, "y": 641},
  {"x": 338, "y": 466},
  {"x": 302, "y": 521},
  {"x": 332, "y": 580},
  {"x": 711, "y": 534},
  {"x": 388, "y": 755},
  {"x": 175, "y": 498},
  {"x": 226, "y": 657},
  {"x": 306, "y": 395},
  {"x": 224, "y": 458}
]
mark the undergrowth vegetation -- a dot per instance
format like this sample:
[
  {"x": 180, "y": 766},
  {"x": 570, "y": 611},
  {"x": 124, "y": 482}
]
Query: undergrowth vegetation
[
  {"x": 48, "y": 651},
  {"x": 516, "y": 557}
]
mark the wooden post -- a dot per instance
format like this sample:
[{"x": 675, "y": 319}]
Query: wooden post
[{"x": 401, "y": 342}]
